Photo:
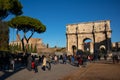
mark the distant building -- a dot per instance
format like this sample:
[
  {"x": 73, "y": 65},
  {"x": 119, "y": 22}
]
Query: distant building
[
  {"x": 32, "y": 42},
  {"x": 116, "y": 45},
  {"x": 113, "y": 44}
]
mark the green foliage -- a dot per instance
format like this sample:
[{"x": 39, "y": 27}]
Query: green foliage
[
  {"x": 26, "y": 24},
  {"x": 10, "y": 7},
  {"x": 7, "y": 7},
  {"x": 4, "y": 36},
  {"x": 15, "y": 47},
  {"x": 29, "y": 48},
  {"x": 32, "y": 48},
  {"x": 47, "y": 45},
  {"x": 35, "y": 49}
]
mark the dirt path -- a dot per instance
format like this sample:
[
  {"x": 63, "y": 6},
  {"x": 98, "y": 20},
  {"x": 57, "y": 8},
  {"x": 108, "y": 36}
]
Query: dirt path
[{"x": 96, "y": 71}]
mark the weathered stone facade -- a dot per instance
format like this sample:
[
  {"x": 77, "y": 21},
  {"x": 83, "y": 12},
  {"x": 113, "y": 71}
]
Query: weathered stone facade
[
  {"x": 33, "y": 41},
  {"x": 116, "y": 45},
  {"x": 99, "y": 32}
]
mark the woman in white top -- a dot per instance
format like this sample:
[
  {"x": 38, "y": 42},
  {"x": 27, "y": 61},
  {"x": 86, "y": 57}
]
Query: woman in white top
[{"x": 44, "y": 63}]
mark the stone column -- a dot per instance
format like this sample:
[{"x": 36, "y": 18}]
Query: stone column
[{"x": 91, "y": 47}]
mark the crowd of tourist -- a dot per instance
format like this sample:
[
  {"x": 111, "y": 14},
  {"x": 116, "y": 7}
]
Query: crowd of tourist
[{"x": 31, "y": 62}]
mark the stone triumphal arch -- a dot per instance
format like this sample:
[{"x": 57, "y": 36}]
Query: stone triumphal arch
[{"x": 98, "y": 32}]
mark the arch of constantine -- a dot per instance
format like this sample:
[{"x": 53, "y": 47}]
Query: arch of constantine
[{"x": 99, "y": 32}]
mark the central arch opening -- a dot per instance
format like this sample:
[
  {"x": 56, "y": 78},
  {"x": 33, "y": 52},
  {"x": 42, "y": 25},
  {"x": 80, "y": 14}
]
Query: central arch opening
[{"x": 87, "y": 43}]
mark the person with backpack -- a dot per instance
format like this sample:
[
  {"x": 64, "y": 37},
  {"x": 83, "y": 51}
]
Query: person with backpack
[{"x": 33, "y": 64}]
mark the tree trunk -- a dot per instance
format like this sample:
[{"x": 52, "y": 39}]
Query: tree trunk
[
  {"x": 27, "y": 39},
  {"x": 23, "y": 47}
]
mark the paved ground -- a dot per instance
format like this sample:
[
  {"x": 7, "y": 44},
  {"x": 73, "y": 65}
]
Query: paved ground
[
  {"x": 94, "y": 71},
  {"x": 57, "y": 71}
]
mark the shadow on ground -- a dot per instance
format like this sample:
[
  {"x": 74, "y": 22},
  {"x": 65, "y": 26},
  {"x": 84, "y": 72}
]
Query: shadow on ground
[{"x": 6, "y": 74}]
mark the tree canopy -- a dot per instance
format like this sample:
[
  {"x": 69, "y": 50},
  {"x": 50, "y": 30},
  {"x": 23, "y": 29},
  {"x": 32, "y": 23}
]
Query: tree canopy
[
  {"x": 10, "y": 7},
  {"x": 26, "y": 24}
]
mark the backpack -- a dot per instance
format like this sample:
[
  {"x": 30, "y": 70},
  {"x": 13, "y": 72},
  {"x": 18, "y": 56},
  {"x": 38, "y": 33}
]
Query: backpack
[{"x": 33, "y": 65}]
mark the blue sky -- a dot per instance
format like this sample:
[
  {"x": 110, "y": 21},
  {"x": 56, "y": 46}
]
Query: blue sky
[{"x": 56, "y": 14}]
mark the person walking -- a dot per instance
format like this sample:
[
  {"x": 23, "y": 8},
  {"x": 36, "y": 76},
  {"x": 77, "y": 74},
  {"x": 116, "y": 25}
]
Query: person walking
[
  {"x": 12, "y": 62},
  {"x": 72, "y": 60},
  {"x": 49, "y": 62},
  {"x": 64, "y": 59},
  {"x": 29, "y": 62},
  {"x": 44, "y": 63},
  {"x": 55, "y": 59}
]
